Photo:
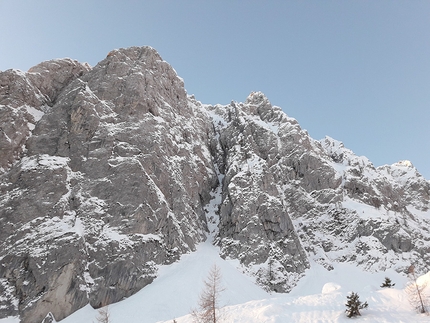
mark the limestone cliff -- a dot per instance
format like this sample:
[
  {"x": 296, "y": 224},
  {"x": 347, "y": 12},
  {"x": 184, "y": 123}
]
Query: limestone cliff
[
  {"x": 106, "y": 182},
  {"x": 107, "y": 172}
]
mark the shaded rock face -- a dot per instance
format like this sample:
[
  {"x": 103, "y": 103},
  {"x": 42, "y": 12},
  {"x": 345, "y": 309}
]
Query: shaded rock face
[{"x": 105, "y": 173}]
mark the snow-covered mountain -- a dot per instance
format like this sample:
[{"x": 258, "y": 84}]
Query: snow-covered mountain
[{"x": 109, "y": 172}]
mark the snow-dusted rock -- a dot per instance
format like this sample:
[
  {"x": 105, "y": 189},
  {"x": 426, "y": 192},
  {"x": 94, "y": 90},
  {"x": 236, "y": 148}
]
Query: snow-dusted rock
[
  {"x": 255, "y": 226},
  {"x": 25, "y": 97},
  {"x": 108, "y": 172},
  {"x": 112, "y": 183}
]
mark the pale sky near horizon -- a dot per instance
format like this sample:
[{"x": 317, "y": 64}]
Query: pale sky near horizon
[{"x": 357, "y": 71}]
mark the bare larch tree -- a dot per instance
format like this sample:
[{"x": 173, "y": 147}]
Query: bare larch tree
[
  {"x": 418, "y": 299},
  {"x": 209, "y": 308}
]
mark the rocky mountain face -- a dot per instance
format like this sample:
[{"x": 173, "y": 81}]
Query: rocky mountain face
[{"x": 107, "y": 173}]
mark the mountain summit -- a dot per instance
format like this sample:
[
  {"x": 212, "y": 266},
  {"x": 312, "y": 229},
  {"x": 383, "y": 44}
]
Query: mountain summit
[{"x": 108, "y": 172}]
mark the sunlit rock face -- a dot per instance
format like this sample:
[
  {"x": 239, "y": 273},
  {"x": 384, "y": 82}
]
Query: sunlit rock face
[
  {"x": 107, "y": 180},
  {"x": 106, "y": 173}
]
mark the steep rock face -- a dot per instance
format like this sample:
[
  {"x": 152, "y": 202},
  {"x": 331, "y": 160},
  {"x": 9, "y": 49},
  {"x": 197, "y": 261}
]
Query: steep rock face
[
  {"x": 271, "y": 165},
  {"x": 24, "y": 97},
  {"x": 113, "y": 181},
  {"x": 378, "y": 218},
  {"x": 255, "y": 226},
  {"x": 107, "y": 173},
  {"x": 289, "y": 200}
]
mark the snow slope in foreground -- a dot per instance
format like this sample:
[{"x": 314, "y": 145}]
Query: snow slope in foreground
[
  {"x": 176, "y": 290},
  {"x": 319, "y": 297}
]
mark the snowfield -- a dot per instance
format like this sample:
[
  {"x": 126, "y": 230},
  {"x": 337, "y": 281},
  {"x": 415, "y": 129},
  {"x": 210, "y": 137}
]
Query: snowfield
[{"x": 319, "y": 297}]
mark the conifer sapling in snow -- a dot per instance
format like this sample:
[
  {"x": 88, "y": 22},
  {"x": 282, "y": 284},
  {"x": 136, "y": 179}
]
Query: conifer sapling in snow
[
  {"x": 387, "y": 283},
  {"x": 354, "y": 305}
]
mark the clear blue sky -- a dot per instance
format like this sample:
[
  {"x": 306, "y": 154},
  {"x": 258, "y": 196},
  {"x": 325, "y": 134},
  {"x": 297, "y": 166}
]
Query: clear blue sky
[{"x": 358, "y": 71}]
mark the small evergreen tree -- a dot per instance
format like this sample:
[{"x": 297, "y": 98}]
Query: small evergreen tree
[
  {"x": 354, "y": 305},
  {"x": 387, "y": 283}
]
